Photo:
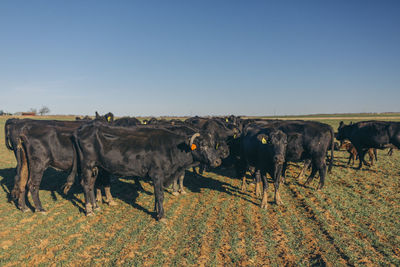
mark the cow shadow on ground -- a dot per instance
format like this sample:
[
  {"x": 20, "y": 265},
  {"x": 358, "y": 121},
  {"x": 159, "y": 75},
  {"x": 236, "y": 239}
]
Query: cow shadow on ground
[
  {"x": 129, "y": 192},
  {"x": 52, "y": 181},
  {"x": 7, "y": 181},
  {"x": 196, "y": 183}
]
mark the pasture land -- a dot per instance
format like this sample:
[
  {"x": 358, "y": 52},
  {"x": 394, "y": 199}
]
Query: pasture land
[{"x": 354, "y": 220}]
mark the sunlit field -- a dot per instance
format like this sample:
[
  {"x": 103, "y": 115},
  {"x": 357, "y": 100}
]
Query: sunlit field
[{"x": 353, "y": 220}]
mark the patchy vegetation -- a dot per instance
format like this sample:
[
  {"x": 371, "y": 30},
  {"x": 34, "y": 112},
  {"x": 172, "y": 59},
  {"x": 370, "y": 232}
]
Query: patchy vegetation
[{"x": 354, "y": 220}]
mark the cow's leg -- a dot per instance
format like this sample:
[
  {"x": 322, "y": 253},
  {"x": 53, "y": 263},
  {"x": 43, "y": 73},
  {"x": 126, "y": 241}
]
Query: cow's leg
[
  {"x": 371, "y": 156},
  {"x": 15, "y": 192},
  {"x": 159, "y": 198},
  {"x": 276, "y": 175},
  {"x": 106, "y": 182},
  {"x": 109, "y": 199},
  {"x": 321, "y": 166},
  {"x": 175, "y": 187},
  {"x": 283, "y": 176},
  {"x": 86, "y": 185},
  {"x": 98, "y": 195},
  {"x": 351, "y": 158},
  {"x": 181, "y": 188},
  {"x": 362, "y": 157},
  {"x": 311, "y": 177},
  {"x": 305, "y": 167},
  {"x": 361, "y": 154},
  {"x": 22, "y": 181},
  {"x": 202, "y": 168},
  {"x": 93, "y": 199},
  {"x": 264, "y": 201},
  {"x": 241, "y": 174},
  {"x": 258, "y": 182},
  {"x": 35, "y": 178}
]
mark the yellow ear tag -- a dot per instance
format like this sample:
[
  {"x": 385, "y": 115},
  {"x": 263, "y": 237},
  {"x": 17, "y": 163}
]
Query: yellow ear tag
[
  {"x": 263, "y": 140},
  {"x": 193, "y": 147},
  {"x": 226, "y": 120},
  {"x": 108, "y": 118},
  {"x": 145, "y": 122},
  {"x": 234, "y": 136}
]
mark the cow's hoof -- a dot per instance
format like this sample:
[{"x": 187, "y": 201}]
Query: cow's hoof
[
  {"x": 97, "y": 208},
  {"x": 24, "y": 210},
  {"x": 264, "y": 206},
  {"x": 183, "y": 192},
  {"x": 163, "y": 220},
  {"x": 89, "y": 214},
  {"x": 112, "y": 203},
  {"x": 175, "y": 193}
]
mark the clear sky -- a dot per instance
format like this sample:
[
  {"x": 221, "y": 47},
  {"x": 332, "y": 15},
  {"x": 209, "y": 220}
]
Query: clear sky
[{"x": 142, "y": 58}]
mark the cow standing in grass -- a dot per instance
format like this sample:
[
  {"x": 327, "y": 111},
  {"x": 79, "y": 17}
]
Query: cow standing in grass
[
  {"x": 262, "y": 148},
  {"x": 354, "y": 155},
  {"x": 158, "y": 154},
  {"x": 370, "y": 134},
  {"x": 308, "y": 141}
]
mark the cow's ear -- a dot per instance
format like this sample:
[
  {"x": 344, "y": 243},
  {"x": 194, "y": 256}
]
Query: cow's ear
[
  {"x": 97, "y": 115},
  {"x": 184, "y": 146},
  {"x": 341, "y": 124},
  {"x": 262, "y": 138}
]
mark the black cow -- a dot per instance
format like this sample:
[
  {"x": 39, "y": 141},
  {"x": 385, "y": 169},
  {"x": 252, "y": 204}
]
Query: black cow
[
  {"x": 13, "y": 129},
  {"x": 264, "y": 149},
  {"x": 158, "y": 154},
  {"x": 44, "y": 141},
  {"x": 215, "y": 141},
  {"x": 127, "y": 121},
  {"x": 370, "y": 134},
  {"x": 307, "y": 141},
  {"x": 40, "y": 147},
  {"x": 109, "y": 117},
  {"x": 219, "y": 129}
]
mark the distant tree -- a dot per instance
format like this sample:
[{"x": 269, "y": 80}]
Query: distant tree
[
  {"x": 33, "y": 110},
  {"x": 1, "y": 112},
  {"x": 44, "y": 110}
]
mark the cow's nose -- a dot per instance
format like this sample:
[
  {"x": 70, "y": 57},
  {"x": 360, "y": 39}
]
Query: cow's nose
[
  {"x": 279, "y": 159},
  {"x": 217, "y": 162}
]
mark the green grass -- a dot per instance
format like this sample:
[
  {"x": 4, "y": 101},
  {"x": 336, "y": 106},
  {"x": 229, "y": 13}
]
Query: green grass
[{"x": 354, "y": 220}]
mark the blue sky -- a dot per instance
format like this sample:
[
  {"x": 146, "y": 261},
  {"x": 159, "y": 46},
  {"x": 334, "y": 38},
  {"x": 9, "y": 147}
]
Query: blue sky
[{"x": 143, "y": 58}]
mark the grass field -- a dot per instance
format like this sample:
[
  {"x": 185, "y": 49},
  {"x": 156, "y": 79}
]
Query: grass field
[{"x": 354, "y": 220}]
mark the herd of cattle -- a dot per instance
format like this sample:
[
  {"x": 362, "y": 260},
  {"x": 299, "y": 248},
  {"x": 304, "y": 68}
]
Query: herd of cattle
[{"x": 161, "y": 150}]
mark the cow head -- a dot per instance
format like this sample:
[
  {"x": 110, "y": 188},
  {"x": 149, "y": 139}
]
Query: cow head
[
  {"x": 109, "y": 117},
  {"x": 274, "y": 143},
  {"x": 203, "y": 150},
  {"x": 343, "y": 132}
]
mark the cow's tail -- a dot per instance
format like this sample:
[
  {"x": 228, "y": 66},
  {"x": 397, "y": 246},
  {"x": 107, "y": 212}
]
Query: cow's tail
[
  {"x": 7, "y": 137},
  {"x": 75, "y": 168},
  {"x": 332, "y": 148}
]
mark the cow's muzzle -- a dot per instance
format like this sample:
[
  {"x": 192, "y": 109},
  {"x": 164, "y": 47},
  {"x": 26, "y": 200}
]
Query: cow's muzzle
[{"x": 216, "y": 163}]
